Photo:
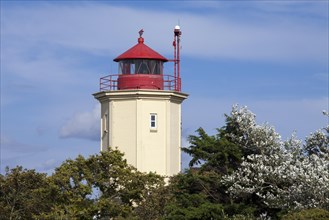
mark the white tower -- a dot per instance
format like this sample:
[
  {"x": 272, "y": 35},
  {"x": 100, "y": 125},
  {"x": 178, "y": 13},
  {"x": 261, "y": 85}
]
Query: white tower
[{"x": 141, "y": 109}]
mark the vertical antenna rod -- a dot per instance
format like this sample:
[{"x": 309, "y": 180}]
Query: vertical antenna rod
[{"x": 177, "y": 34}]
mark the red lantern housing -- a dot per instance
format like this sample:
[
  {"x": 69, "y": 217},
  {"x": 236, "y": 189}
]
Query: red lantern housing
[{"x": 140, "y": 67}]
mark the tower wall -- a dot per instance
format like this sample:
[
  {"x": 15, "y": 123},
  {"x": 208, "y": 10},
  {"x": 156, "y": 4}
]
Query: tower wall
[{"x": 127, "y": 125}]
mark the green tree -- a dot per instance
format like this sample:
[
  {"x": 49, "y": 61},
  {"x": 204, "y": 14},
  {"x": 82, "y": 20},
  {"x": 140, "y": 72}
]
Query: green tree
[
  {"x": 22, "y": 194},
  {"x": 154, "y": 202},
  {"x": 102, "y": 186},
  {"x": 121, "y": 186},
  {"x": 199, "y": 194},
  {"x": 214, "y": 153},
  {"x": 71, "y": 190},
  {"x": 192, "y": 197}
]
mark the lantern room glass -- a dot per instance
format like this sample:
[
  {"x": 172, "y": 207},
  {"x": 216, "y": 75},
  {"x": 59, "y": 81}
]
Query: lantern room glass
[{"x": 141, "y": 66}]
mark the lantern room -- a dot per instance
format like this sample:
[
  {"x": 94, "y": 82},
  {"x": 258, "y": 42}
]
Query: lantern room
[{"x": 140, "y": 67}]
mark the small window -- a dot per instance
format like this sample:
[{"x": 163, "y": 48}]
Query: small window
[
  {"x": 105, "y": 119},
  {"x": 153, "y": 121}
]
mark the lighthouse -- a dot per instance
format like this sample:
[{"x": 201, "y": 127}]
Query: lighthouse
[{"x": 141, "y": 109}]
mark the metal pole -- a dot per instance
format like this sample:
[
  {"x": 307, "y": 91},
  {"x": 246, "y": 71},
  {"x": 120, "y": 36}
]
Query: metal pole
[
  {"x": 177, "y": 33},
  {"x": 178, "y": 64},
  {"x": 175, "y": 61}
]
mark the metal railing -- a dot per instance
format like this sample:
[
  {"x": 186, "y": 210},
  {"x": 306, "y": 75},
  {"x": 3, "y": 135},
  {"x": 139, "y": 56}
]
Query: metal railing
[{"x": 110, "y": 83}]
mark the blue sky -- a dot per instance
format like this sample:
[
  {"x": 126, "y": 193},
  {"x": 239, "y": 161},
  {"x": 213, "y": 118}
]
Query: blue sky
[{"x": 271, "y": 56}]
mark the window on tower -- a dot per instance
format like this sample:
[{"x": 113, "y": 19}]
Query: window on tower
[
  {"x": 104, "y": 123},
  {"x": 153, "y": 121},
  {"x": 141, "y": 66}
]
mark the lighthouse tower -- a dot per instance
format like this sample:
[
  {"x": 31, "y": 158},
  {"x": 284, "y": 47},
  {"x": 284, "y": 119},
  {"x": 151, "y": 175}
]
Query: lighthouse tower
[{"x": 141, "y": 109}]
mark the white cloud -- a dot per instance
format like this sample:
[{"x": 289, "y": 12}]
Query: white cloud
[
  {"x": 49, "y": 166},
  {"x": 83, "y": 125},
  {"x": 254, "y": 7},
  {"x": 97, "y": 28},
  {"x": 11, "y": 145},
  {"x": 13, "y": 151}
]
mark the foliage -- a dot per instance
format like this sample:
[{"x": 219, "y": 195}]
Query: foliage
[
  {"x": 154, "y": 203},
  {"x": 268, "y": 174},
  {"x": 318, "y": 143},
  {"x": 205, "y": 210},
  {"x": 21, "y": 194},
  {"x": 241, "y": 129},
  {"x": 101, "y": 186},
  {"x": 240, "y": 137},
  {"x": 281, "y": 176},
  {"x": 306, "y": 214},
  {"x": 215, "y": 153},
  {"x": 199, "y": 194},
  {"x": 285, "y": 180}
]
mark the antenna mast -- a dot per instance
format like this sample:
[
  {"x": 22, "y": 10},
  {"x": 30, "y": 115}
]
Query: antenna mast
[{"x": 177, "y": 34}]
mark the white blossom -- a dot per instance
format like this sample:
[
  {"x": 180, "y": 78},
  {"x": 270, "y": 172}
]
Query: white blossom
[{"x": 282, "y": 174}]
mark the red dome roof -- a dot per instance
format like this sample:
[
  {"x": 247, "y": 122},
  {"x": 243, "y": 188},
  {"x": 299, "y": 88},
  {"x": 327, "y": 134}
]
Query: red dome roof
[{"x": 140, "y": 51}]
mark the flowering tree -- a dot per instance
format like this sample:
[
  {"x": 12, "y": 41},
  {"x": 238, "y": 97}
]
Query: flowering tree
[
  {"x": 279, "y": 174},
  {"x": 318, "y": 143},
  {"x": 242, "y": 129}
]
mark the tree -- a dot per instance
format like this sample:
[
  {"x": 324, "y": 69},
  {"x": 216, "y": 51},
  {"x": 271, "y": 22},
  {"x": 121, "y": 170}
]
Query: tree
[
  {"x": 71, "y": 189},
  {"x": 192, "y": 196},
  {"x": 102, "y": 186},
  {"x": 318, "y": 143},
  {"x": 258, "y": 170},
  {"x": 154, "y": 203},
  {"x": 241, "y": 129},
  {"x": 240, "y": 137},
  {"x": 22, "y": 194},
  {"x": 214, "y": 153},
  {"x": 121, "y": 186},
  {"x": 292, "y": 176}
]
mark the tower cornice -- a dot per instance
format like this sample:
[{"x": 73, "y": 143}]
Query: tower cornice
[{"x": 140, "y": 94}]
